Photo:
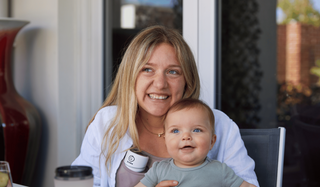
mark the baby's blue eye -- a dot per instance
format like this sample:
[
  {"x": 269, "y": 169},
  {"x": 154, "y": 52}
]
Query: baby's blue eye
[
  {"x": 196, "y": 130},
  {"x": 175, "y": 131}
]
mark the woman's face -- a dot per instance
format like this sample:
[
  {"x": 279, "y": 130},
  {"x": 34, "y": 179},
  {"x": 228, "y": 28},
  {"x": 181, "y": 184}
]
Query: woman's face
[{"x": 160, "y": 83}]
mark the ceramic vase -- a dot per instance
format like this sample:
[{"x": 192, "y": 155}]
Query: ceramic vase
[{"x": 21, "y": 125}]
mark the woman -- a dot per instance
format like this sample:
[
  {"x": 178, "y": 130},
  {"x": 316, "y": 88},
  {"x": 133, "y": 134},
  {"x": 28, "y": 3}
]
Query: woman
[{"x": 157, "y": 70}]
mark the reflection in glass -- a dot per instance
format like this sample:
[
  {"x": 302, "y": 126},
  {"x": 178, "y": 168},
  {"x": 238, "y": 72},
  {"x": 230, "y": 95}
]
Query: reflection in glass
[
  {"x": 298, "y": 75},
  {"x": 294, "y": 80},
  {"x": 130, "y": 16}
]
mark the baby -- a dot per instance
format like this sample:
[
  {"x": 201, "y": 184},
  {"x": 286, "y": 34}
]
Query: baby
[{"x": 189, "y": 136}]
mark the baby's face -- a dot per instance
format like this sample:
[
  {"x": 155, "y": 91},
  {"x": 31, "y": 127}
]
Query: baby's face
[{"x": 188, "y": 136}]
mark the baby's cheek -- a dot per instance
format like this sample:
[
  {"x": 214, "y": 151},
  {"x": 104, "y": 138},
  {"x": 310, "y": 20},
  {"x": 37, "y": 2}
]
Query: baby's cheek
[
  {"x": 166, "y": 141},
  {"x": 170, "y": 144}
]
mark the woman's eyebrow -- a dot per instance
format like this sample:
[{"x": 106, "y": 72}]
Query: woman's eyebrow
[
  {"x": 178, "y": 66},
  {"x": 155, "y": 64}
]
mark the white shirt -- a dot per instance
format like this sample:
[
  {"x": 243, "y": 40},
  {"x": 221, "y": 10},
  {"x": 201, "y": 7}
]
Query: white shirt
[{"x": 229, "y": 148}]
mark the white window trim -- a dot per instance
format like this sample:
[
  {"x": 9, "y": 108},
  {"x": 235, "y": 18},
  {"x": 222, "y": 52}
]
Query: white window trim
[
  {"x": 88, "y": 62},
  {"x": 200, "y": 30}
]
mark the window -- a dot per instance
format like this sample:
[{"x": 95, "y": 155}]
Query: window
[{"x": 270, "y": 76}]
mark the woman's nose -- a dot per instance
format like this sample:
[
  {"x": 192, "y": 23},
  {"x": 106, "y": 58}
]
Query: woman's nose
[{"x": 160, "y": 81}]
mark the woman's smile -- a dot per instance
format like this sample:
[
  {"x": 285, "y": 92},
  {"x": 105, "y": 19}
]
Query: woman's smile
[
  {"x": 155, "y": 96},
  {"x": 161, "y": 82}
]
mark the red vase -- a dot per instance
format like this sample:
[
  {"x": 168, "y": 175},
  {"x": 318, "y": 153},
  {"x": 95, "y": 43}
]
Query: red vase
[{"x": 21, "y": 125}]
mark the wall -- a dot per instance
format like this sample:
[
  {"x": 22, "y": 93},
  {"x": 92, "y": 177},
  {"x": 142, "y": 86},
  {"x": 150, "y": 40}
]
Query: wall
[
  {"x": 3, "y": 8},
  {"x": 58, "y": 67},
  {"x": 281, "y": 53},
  {"x": 298, "y": 49},
  {"x": 310, "y": 52},
  {"x": 36, "y": 76}
]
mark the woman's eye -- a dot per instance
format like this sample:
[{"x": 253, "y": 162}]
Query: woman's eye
[
  {"x": 196, "y": 130},
  {"x": 175, "y": 131},
  {"x": 147, "y": 70},
  {"x": 174, "y": 72}
]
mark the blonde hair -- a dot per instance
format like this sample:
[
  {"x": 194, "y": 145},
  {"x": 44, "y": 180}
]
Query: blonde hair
[{"x": 123, "y": 94}]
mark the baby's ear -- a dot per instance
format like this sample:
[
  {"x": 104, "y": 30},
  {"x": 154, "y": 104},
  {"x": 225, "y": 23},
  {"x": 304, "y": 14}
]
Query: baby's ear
[{"x": 213, "y": 140}]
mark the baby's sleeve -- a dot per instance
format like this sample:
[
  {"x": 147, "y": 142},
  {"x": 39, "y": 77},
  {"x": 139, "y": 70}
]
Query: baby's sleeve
[
  {"x": 151, "y": 178},
  {"x": 230, "y": 178}
]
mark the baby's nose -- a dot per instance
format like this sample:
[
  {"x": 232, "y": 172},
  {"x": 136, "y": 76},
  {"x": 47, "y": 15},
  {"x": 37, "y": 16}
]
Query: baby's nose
[{"x": 186, "y": 136}]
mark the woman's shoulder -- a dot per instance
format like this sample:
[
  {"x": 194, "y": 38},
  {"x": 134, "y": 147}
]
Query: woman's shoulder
[
  {"x": 103, "y": 118},
  {"x": 219, "y": 115},
  {"x": 225, "y": 127},
  {"x": 107, "y": 111},
  {"x": 222, "y": 120}
]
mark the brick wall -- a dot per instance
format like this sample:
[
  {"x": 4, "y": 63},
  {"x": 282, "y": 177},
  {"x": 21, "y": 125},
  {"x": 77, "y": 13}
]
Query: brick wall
[
  {"x": 298, "y": 49},
  {"x": 281, "y": 53}
]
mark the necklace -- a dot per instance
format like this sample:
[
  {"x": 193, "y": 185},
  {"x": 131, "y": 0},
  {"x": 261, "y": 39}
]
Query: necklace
[{"x": 159, "y": 134}]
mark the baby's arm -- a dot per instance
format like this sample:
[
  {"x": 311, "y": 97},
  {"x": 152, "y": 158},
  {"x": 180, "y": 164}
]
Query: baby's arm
[
  {"x": 140, "y": 185},
  {"x": 246, "y": 184}
]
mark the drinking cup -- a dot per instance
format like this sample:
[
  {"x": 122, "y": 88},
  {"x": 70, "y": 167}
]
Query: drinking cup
[
  {"x": 5, "y": 174},
  {"x": 73, "y": 176}
]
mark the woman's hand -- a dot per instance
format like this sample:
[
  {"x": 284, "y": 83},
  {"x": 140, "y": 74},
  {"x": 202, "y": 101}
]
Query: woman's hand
[
  {"x": 167, "y": 183},
  {"x": 246, "y": 184}
]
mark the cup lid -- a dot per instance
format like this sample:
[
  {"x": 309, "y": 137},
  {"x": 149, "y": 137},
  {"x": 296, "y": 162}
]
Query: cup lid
[{"x": 74, "y": 171}]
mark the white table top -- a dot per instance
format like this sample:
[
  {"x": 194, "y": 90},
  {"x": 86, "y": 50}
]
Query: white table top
[{"x": 18, "y": 185}]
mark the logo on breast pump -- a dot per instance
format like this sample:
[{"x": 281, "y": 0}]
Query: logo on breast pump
[{"x": 131, "y": 159}]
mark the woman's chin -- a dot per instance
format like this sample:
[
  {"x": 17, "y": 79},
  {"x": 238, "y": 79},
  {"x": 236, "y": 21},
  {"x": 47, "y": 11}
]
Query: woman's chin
[
  {"x": 158, "y": 113},
  {"x": 154, "y": 111}
]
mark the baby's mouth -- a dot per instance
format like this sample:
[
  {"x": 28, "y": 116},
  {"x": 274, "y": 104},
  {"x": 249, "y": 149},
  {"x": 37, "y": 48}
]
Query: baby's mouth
[
  {"x": 187, "y": 147},
  {"x": 160, "y": 97}
]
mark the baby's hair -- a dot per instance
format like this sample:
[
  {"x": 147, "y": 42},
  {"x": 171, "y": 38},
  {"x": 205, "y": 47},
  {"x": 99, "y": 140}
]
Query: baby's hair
[{"x": 189, "y": 104}]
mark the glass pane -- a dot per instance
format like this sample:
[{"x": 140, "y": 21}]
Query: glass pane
[
  {"x": 270, "y": 76},
  {"x": 130, "y": 16}
]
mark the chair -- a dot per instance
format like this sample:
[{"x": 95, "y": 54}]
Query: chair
[
  {"x": 308, "y": 139},
  {"x": 266, "y": 148}
]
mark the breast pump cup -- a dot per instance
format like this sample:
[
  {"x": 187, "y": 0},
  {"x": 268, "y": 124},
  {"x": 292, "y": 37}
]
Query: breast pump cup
[
  {"x": 73, "y": 176},
  {"x": 135, "y": 162}
]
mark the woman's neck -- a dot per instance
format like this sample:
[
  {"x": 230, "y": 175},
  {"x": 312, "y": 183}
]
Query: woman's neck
[
  {"x": 150, "y": 121},
  {"x": 151, "y": 135}
]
